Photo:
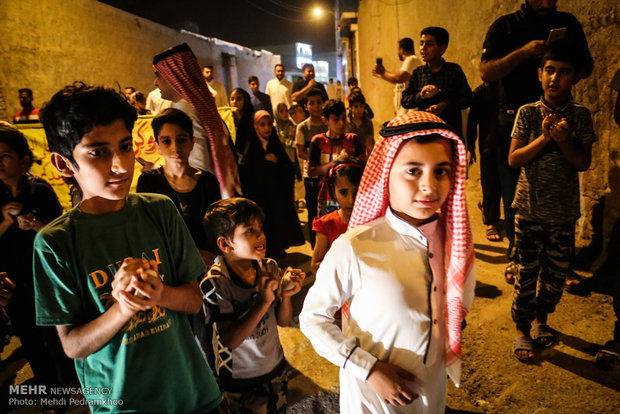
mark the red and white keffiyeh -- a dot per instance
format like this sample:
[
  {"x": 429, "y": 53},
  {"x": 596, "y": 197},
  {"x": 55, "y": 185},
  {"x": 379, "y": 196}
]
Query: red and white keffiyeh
[
  {"x": 373, "y": 200},
  {"x": 180, "y": 68}
]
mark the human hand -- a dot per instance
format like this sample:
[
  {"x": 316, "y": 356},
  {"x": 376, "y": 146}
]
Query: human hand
[
  {"x": 389, "y": 382},
  {"x": 6, "y": 289},
  {"x": 128, "y": 285},
  {"x": 436, "y": 109},
  {"x": 11, "y": 210},
  {"x": 292, "y": 281},
  {"x": 271, "y": 158},
  {"x": 378, "y": 71},
  {"x": 312, "y": 82},
  {"x": 534, "y": 49},
  {"x": 29, "y": 222},
  {"x": 428, "y": 91},
  {"x": 559, "y": 131},
  {"x": 267, "y": 284}
]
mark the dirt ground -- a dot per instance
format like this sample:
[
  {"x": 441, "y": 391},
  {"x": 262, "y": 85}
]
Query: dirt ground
[{"x": 560, "y": 380}]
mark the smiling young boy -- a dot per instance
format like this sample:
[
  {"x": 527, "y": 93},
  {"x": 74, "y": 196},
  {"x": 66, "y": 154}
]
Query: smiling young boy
[
  {"x": 405, "y": 271},
  {"x": 118, "y": 273},
  {"x": 551, "y": 142},
  {"x": 438, "y": 86},
  {"x": 246, "y": 297},
  {"x": 328, "y": 147}
]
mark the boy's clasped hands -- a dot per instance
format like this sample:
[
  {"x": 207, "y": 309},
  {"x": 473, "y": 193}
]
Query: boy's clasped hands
[
  {"x": 270, "y": 287},
  {"x": 555, "y": 128},
  {"x": 137, "y": 286}
]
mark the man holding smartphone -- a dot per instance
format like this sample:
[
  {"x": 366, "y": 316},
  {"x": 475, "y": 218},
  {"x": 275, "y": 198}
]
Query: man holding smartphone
[
  {"x": 406, "y": 53},
  {"x": 511, "y": 55}
]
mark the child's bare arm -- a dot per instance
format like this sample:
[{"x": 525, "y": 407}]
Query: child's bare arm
[
  {"x": 302, "y": 152},
  {"x": 79, "y": 342},
  {"x": 320, "y": 249},
  {"x": 522, "y": 153},
  {"x": 232, "y": 334},
  {"x": 389, "y": 382},
  {"x": 319, "y": 170}
]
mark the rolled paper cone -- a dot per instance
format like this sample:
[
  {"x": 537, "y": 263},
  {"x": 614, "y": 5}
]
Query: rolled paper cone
[
  {"x": 287, "y": 283},
  {"x": 14, "y": 211}
]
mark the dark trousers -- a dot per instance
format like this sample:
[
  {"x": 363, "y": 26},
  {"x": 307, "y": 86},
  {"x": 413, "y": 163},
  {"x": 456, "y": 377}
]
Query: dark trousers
[
  {"x": 545, "y": 252},
  {"x": 312, "y": 193},
  {"x": 491, "y": 187},
  {"x": 508, "y": 178}
]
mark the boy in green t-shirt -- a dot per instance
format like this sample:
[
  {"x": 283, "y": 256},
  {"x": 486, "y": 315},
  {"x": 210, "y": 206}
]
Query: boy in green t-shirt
[{"x": 118, "y": 273}]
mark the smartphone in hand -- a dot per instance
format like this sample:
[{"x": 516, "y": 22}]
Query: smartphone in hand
[
  {"x": 556, "y": 34},
  {"x": 379, "y": 61}
]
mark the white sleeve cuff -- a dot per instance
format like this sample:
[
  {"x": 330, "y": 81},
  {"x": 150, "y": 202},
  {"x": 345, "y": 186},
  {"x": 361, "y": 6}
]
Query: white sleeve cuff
[{"x": 359, "y": 363}]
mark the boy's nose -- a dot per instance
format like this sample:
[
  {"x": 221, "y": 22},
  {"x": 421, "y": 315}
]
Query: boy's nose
[
  {"x": 120, "y": 163},
  {"x": 427, "y": 183}
]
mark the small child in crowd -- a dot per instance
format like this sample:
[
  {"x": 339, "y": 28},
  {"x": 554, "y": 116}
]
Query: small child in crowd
[
  {"x": 246, "y": 296},
  {"x": 297, "y": 113},
  {"x": 342, "y": 182},
  {"x": 360, "y": 123},
  {"x": 286, "y": 128},
  {"x": 551, "y": 142},
  {"x": 307, "y": 129},
  {"x": 329, "y": 147},
  {"x": 438, "y": 86},
  {"x": 405, "y": 271},
  {"x": 118, "y": 274}
]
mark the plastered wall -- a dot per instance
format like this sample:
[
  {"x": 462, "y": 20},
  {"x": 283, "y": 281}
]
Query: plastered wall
[
  {"x": 47, "y": 44},
  {"x": 382, "y": 22}
]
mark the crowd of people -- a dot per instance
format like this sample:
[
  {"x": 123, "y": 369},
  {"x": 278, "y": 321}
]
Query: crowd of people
[{"x": 174, "y": 292}]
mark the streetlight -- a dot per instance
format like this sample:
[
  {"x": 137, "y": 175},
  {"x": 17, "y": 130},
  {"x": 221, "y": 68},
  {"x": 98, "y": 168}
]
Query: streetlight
[{"x": 317, "y": 11}]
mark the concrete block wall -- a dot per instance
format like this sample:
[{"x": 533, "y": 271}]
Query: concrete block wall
[
  {"x": 381, "y": 23},
  {"x": 47, "y": 44}
]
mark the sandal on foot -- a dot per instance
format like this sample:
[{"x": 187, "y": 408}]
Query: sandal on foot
[
  {"x": 523, "y": 343},
  {"x": 542, "y": 335},
  {"x": 608, "y": 357},
  {"x": 510, "y": 273},
  {"x": 493, "y": 234}
]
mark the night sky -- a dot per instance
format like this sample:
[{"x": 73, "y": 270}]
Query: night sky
[{"x": 246, "y": 22}]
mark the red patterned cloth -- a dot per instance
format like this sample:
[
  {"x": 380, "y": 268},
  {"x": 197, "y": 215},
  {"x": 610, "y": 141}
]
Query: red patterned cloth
[
  {"x": 372, "y": 202},
  {"x": 179, "y": 67}
]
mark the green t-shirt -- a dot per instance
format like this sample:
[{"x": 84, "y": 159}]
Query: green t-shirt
[{"x": 153, "y": 363}]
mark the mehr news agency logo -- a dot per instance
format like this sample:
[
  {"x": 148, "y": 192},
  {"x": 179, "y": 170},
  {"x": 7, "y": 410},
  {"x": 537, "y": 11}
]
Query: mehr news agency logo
[{"x": 24, "y": 395}]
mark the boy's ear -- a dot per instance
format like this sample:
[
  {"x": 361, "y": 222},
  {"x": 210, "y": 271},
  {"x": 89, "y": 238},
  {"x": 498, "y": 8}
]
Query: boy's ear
[
  {"x": 442, "y": 49},
  {"x": 540, "y": 74},
  {"x": 62, "y": 164},
  {"x": 324, "y": 120},
  {"x": 223, "y": 244}
]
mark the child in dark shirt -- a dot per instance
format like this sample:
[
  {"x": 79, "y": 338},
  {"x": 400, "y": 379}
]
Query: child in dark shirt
[{"x": 438, "y": 86}]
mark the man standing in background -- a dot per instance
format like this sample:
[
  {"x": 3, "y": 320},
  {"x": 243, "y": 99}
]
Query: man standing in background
[
  {"x": 406, "y": 54},
  {"x": 279, "y": 88},
  {"x": 217, "y": 89}
]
